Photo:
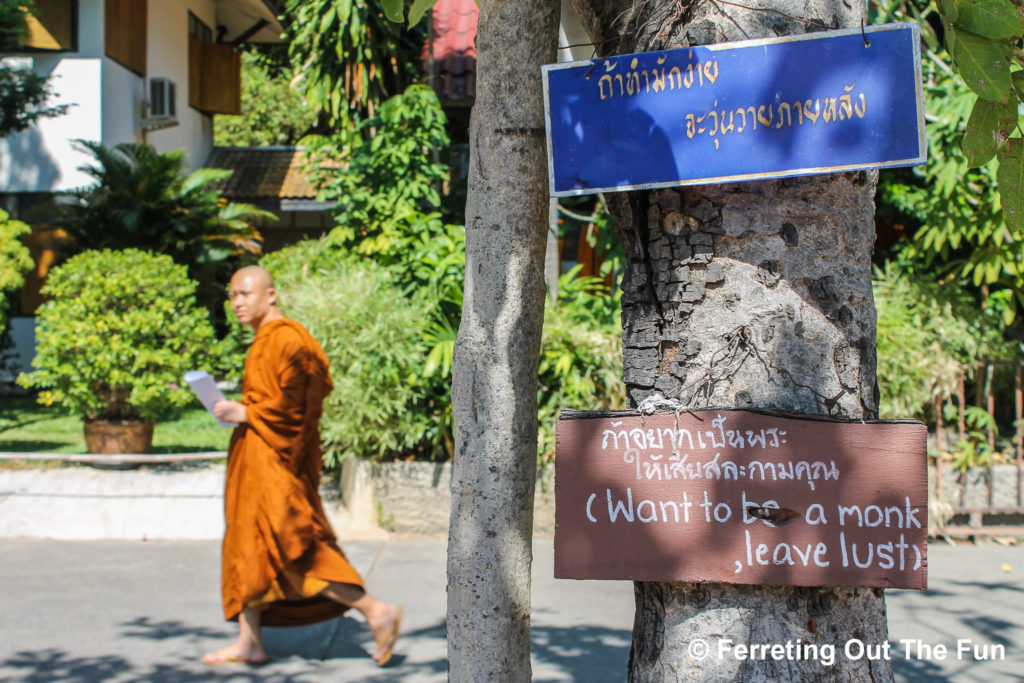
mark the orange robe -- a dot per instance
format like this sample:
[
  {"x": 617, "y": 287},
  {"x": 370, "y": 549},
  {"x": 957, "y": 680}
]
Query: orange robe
[{"x": 279, "y": 550}]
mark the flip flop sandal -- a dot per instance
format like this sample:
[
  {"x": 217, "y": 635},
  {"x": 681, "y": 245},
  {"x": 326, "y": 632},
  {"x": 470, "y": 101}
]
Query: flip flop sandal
[{"x": 385, "y": 656}]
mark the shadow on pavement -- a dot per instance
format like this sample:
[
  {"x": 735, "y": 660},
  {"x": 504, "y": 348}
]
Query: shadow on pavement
[
  {"x": 580, "y": 653},
  {"x": 144, "y": 627},
  {"x": 46, "y": 666},
  {"x": 1004, "y": 586},
  {"x": 56, "y": 665},
  {"x": 917, "y": 670}
]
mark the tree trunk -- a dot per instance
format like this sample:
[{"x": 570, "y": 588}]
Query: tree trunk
[
  {"x": 494, "y": 384},
  {"x": 752, "y": 295}
]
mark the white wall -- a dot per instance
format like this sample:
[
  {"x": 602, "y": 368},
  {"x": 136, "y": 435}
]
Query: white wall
[
  {"x": 41, "y": 158},
  {"x": 124, "y": 91},
  {"x": 107, "y": 100}
]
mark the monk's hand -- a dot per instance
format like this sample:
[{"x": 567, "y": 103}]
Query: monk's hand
[{"x": 229, "y": 411}]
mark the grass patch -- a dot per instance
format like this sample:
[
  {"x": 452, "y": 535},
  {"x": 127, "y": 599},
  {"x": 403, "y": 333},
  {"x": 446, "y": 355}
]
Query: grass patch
[{"x": 27, "y": 427}]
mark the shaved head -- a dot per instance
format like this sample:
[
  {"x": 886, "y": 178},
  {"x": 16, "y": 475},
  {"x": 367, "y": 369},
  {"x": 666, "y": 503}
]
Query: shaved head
[
  {"x": 261, "y": 276},
  {"x": 253, "y": 297}
]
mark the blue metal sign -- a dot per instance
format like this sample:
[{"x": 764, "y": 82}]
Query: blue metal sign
[{"x": 814, "y": 103}]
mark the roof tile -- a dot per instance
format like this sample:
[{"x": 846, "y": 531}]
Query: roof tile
[
  {"x": 453, "y": 48},
  {"x": 262, "y": 173}
]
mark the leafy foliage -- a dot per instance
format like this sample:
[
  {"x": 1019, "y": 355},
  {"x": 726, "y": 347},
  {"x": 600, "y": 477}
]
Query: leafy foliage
[
  {"x": 141, "y": 199},
  {"x": 273, "y": 112},
  {"x": 400, "y": 10},
  {"x": 14, "y": 260},
  {"x": 581, "y": 354},
  {"x": 930, "y": 334},
  {"x": 982, "y": 38},
  {"x": 23, "y": 92},
  {"x": 383, "y": 183},
  {"x": 371, "y": 333},
  {"x": 349, "y": 56},
  {"x": 923, "y": 344},
  {"x": 118, "y": 333},
  {"x": 962, "y": 233}
]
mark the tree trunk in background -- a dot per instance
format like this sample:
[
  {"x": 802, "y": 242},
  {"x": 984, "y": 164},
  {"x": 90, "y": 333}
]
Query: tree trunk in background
[
  {"x": 749, "y": 295},
  {"x": 494, "y": 385}
]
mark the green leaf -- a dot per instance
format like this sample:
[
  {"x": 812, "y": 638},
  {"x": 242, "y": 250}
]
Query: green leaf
[
  {"x": 328, "y": 18},
  {"x": 418, "y": 9},
  {"x": 393, "y": 9},
  {"x": 949, "y": 10},
  {"x": 1011, "y": 182},
  {"x": 995, "y": 19},
  {"x": 982, "y": 65},
  {"x": 949, "y": 38},
  {"x": 1017, "y": 78},
  {"x": 989, "y": 126}
]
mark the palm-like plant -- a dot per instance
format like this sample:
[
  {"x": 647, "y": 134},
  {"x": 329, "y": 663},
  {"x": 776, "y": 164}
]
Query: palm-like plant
[{"x": 142, "y": 199}]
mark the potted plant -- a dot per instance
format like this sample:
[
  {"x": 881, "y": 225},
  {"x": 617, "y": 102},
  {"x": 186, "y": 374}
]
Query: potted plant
[{"x": 112, "y": 343}]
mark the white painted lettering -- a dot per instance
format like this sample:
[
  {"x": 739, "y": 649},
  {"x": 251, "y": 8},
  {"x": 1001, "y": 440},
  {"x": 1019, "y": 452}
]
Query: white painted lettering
[{"x": 625, "y": 510}]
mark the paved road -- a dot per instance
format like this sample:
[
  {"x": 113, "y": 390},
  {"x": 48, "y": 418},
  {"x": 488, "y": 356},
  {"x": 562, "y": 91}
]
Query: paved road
[{"x": 89, "y": 611}]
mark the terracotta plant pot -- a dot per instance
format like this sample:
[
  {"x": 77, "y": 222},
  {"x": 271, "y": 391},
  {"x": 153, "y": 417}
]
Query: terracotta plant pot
[{"x": 118, "y": 437}]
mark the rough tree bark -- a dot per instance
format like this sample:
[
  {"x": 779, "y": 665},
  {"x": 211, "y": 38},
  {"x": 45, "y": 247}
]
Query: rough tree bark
[
  {"x": 752, "y": 295},
  {"x": 494, "y": 384}
]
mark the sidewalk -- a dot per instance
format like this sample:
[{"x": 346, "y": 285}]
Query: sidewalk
[{"x": 85, "y": 611}]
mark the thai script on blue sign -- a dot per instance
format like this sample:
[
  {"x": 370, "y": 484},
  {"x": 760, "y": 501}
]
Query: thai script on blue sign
[{"x": 814, "y": 103}]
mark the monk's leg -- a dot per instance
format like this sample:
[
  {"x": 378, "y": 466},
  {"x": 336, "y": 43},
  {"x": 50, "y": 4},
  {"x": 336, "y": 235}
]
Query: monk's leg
[
  {"x": 382, "y": 617},
  {"x": 248, "y": 649}
]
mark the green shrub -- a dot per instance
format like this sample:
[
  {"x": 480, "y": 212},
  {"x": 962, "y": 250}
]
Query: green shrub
[
  {"x": 371, "y": 333},
  {"x": 913, "y": 365},
  {"x": 383, "y": 176},
  {"x": 929, "y": 334},
  {"x": 231, "y": 349},
  {"x": 142, "y": 199},
  {"x": 580, "y": 355},
  {"x": 14, "y": 261},
  {"x": 119, "y": 331},
  {"x": 581, "y": 348}
]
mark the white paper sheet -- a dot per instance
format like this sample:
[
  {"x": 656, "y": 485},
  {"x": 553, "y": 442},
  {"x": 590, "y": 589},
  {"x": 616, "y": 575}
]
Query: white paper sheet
[{"x": 206, "y": 389}]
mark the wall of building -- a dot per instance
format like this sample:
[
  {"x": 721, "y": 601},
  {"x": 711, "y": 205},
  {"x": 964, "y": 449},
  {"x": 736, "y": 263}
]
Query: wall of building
[
  {"x": 168, "y": 58},
  {"x": 107, "y": 100},
  {"x": 42, "y": 158},
  {"x": 123, "y": 95}
]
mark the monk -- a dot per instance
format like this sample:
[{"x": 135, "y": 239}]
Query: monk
[{"x": 280, "y": 561}]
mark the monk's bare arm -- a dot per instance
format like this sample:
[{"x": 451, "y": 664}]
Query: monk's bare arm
[{"x": 229, "y": 411}]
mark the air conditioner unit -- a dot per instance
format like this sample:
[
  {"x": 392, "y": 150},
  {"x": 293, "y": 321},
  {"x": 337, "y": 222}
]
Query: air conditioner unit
[{"x": 161, "y": 98}]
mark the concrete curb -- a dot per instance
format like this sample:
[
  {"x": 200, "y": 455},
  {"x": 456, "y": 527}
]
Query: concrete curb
[
  {"x": 184, "y": 501},
  {"x": 79, "y": 503}
]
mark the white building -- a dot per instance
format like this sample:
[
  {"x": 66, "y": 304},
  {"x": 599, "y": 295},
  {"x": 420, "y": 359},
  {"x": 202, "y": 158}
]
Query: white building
[{"x": 153, "y": 71}]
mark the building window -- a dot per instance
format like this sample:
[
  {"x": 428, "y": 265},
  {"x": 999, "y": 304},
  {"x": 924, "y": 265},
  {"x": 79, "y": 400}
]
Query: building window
[
  {"x": 198, "y": 30},
  {"x": 126, "y": 33},
  {"x": 52, "y": 27},
  {"x": 214, "y": 72}
]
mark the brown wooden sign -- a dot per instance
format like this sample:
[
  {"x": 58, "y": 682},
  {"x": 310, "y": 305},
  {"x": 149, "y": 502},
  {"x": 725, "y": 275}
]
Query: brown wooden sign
[{"x": 741, "y": 497}]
